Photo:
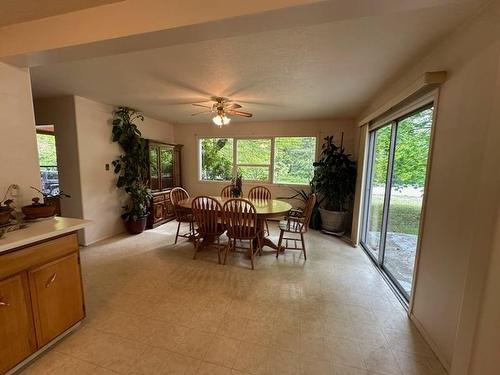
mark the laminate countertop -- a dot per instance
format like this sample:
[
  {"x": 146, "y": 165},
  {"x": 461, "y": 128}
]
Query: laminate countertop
[{"x": 40, "y": 231}]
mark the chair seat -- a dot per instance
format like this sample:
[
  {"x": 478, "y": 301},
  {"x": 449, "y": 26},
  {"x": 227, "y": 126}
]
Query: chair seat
[{"x": 291, "y": 226}]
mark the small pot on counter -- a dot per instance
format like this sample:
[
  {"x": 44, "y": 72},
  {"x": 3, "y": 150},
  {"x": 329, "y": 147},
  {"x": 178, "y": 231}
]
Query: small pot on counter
[
  {"x": 5, "y": 215},
  {"x": 38, "y": 210}
]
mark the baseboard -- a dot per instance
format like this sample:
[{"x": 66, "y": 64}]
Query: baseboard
[{"x": 432, "y": 344}]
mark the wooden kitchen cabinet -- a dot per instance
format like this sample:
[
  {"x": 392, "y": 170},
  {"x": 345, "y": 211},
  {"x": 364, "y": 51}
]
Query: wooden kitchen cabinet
[
  {"x": 41, "y": 296},
  {"x": 17, "y": 334},
  {"x": 57, "y": 297}
]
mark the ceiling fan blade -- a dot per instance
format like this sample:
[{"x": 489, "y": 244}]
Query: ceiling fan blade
[
  {"x": 232, "y": 106},
  {"x": 199, "y": 113},
  {"x": 201, "y": 105},
  {"x": 239, "y": 113}
]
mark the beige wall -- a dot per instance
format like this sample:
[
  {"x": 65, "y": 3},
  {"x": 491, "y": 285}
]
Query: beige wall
[
  {"x": 102, "y": 201},
  {"x": 188, "y": 134},
  {"x": 60, "y": 112},
  {"x": 83, "y": 139},
  {"x": 462, "y": 195},
  {"x": 18, "y": 150},
  {"x": 486, "y": 345}
]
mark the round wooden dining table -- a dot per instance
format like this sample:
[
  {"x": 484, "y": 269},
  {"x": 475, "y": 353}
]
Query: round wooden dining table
[{"x": 266, "y": 209}]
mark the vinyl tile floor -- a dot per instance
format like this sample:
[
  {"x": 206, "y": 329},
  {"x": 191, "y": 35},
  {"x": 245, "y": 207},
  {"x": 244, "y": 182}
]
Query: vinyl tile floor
[{"x": 153, "y": 310}]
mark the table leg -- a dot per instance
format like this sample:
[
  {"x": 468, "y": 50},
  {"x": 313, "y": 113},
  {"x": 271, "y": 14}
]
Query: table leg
[{"x": 265, "y": 241}]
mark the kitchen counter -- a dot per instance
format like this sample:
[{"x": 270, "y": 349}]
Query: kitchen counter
[{"x": 39, "y": 231}]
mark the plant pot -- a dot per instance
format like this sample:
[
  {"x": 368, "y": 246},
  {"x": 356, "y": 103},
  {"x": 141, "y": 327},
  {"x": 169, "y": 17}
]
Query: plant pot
[
  {"x": 5, "y": 216},
  {"x": 37, "y": 210},
  {"x": 333, "y": 221},
  {"x": 136, "y": 226}
]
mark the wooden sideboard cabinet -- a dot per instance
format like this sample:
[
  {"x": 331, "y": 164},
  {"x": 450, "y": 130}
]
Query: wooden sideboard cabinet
[
  {"x": 164, "y": 174},
  {"x": 41, "y": 296}
]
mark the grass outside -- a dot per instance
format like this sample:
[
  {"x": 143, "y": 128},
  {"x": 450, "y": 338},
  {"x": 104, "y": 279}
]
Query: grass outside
[{"x": 404, "y": 214}]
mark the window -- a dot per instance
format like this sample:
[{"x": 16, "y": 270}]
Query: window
[
  {"x": 293, "y": 159},
  {"x": 254, "y": 159},
  {"x": 280, "y": 160},
  {"x": 216, "y": 159},
  {"x": 48, "y": 163}
]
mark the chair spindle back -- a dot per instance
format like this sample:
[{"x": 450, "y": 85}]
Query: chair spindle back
[
  {"x": 178, "y": 194},
  {"x": 226, "y": 191},
  {"x": 206, "y": 212},
  {"x": 240, "y": 218},
  {"x": 259, "y": 193}
]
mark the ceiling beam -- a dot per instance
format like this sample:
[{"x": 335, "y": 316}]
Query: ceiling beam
[{"x": 135, "y": 25}]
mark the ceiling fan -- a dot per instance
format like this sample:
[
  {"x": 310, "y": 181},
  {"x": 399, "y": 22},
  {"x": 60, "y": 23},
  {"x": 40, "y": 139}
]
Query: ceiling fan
[{"x": 222, "y": 107}]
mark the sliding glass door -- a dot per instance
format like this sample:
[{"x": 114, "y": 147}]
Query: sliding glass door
[{"x": 397, "y": 169}]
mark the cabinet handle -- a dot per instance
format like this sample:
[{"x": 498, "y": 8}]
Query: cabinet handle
[
  {"x": 4, "y": 304},
  {"x": 51, "y": 280}
]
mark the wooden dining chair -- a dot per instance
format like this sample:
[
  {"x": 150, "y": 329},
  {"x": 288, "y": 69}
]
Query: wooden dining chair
[
  {"x": 296, "y": 226},
  {"x": 260, "y": 193},
  {"x": 206, "y": 212},
  {"x": 226, "y": 191},
  {"x": 240, "y": 219},
  {"x": 182, "y": 215}
]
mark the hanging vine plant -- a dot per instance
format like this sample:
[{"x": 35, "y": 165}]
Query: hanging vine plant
[{"x": 132, "y": 165}]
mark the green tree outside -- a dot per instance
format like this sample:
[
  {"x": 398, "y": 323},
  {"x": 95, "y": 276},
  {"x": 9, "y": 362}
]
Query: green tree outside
[{"x": 46, "y": 149}]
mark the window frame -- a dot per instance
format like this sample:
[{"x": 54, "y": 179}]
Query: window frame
[
  {"x": 235, "y": 165},
  {"x": 270, "y": 166}
]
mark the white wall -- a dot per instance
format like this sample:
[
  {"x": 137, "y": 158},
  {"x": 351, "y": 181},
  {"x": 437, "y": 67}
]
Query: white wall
[
  {"x": 187, "y": 135},
  {"x": 463, "y": 189},
  {"x": 18, "y": 149}
]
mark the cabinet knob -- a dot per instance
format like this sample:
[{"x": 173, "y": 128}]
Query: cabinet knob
[
  {"x": 51, "y": 280},
  {"x": 4, "y": 304}
]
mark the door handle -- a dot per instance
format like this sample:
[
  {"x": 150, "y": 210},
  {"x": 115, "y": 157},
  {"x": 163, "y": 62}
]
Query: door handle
[
  {"x": 51, "y": 280},
  {"x": 4, "y": 304}
]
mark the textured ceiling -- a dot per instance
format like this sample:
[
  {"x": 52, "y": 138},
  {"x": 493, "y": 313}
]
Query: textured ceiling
[
  {"x": 319, "y": 71},
  {"x": 16, "y": 11}
]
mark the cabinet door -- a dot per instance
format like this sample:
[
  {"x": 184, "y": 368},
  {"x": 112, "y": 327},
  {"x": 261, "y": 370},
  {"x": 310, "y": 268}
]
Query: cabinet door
[
  {"x": 57, "y": 298},
  {"x": 169, "y": 207},
  {"x": 166, "y": 166},
  {"x": 17, "y": 334},
  {"x": 158, "y": 211},
  {"x": 154, "y": 173}
]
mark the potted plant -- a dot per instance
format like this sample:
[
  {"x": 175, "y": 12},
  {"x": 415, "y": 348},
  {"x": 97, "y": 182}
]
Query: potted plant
[
  {"x": 335, "y": 181},
  {"x": 137, "y": 208},
  {"x": 131, "y": 167},
  {"x": 50, "y": 206},
  {"x": 237, "y": 186},
  {"x": 5, "y": 211},
  {"x": 303, "y": 195}
]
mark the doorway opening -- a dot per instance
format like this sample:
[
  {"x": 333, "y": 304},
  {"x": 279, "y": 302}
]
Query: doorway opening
[
  {"x": 398, "y": 153},
  {"x": 47, "y": 157}
]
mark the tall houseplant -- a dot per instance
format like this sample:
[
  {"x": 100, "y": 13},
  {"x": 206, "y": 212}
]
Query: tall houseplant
[
  {"x": 131, "y": 167},
  {"x": 335, "y": 181}
]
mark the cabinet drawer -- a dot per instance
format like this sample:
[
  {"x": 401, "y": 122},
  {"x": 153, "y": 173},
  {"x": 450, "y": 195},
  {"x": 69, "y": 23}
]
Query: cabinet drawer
[
  {"x": 32, "y": 256},
  {"x": 57, "y": 297},
  {"x": 158, "y": 198},
  {"x": 17, "y": 335}
]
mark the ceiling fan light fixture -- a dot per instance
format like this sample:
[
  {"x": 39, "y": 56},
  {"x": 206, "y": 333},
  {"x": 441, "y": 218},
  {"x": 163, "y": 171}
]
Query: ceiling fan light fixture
[{"x": 221, "y": 120}]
